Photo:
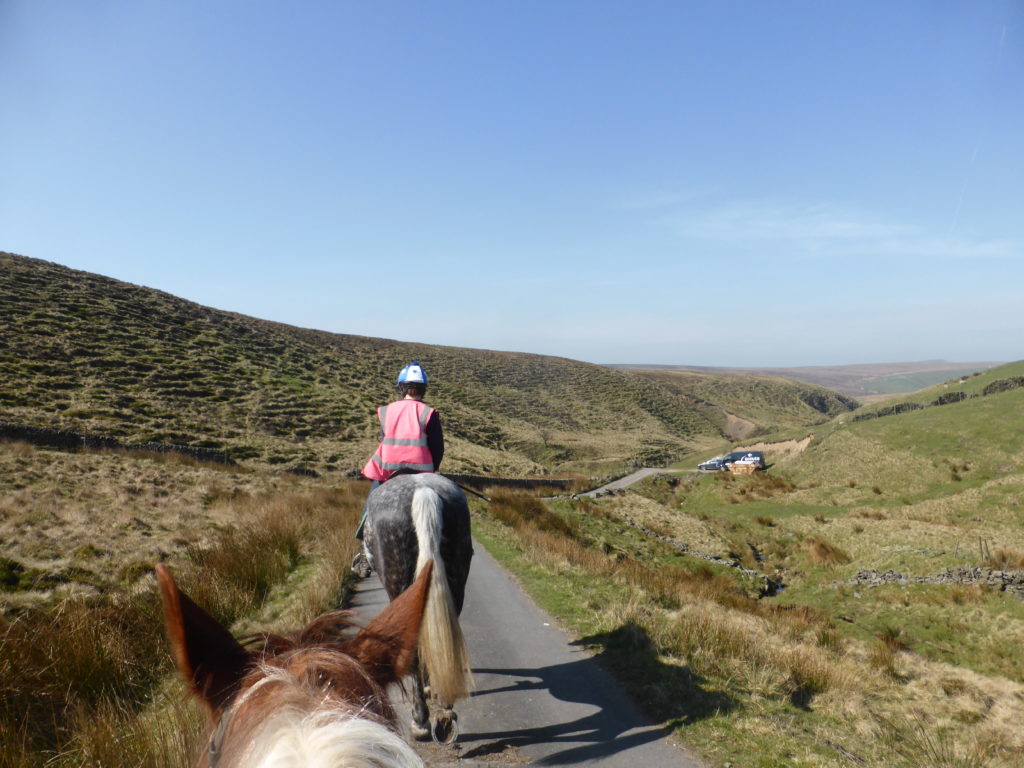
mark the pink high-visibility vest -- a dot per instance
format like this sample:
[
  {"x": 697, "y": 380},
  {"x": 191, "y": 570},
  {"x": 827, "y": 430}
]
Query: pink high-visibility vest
[{"x": 405, "y": 440}]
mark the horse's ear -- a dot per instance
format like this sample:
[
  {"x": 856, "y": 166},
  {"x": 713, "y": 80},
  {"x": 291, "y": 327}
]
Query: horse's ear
[
  {"x": 207, "y": 655},
  {"x": 387, "y": 645}
]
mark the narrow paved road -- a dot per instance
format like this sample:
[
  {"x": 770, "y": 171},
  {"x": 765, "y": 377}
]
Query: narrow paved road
[
  {"x": 635, "y": 477},
  {"x": 624, "y": 482},
  {"x": 539, "y": 699}
]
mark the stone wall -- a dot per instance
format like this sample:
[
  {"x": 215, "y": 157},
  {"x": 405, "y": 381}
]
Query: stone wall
[
  {"x": 1004, "y": 581},
  {"x": 525, "y": 483},
  {"x": 71, "y": 441}
]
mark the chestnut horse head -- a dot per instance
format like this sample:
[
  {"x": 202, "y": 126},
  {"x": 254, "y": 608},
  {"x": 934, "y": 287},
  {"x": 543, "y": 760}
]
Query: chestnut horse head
[{"x": 314, "y": 699}]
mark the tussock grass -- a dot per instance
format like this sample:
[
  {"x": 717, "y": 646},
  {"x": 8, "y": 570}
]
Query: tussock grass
[
  {"x": 76, "y": 677},
  {"x": 915, "y": 741},
  {"x": 717, "y": 628},
  {"x": 1005, "y": 560},
  {"x": 822, "y": 552},
  {"x": 112, "y": 734},
  {"x": 18, "y": 449},
  {"x": 884, "y": 651},
  {"x": 77, "y": 657},
  {"x": 521, "y": 509}
]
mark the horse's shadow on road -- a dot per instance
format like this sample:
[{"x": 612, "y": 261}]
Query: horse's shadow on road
[{"x": 679, "y": 698}]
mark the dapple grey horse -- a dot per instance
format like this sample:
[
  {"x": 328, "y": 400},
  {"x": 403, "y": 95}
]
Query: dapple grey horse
[{"x": 412, "y": 520}]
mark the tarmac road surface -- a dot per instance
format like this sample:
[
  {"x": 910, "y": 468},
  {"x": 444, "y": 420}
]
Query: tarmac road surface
[
  {"x": 635, "y": 477},
  {"x": 539, "y": 699}
]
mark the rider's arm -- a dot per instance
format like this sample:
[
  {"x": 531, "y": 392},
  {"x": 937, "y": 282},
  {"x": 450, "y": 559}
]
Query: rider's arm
[{"x": 435, "y": 440}]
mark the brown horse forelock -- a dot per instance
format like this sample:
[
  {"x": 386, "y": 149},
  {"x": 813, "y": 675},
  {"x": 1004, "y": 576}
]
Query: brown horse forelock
[{"x": 304, "y": 673}]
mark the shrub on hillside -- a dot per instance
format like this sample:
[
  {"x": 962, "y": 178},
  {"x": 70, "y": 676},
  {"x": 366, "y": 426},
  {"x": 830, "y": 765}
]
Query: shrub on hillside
[
  {"x": 1003, "y": 385},
  {"x": 949, "y": 397},
  {"x": 890, "y": 410},
  {"x": 1005, "y": 560},
  {"x": 822, "y": 552}
]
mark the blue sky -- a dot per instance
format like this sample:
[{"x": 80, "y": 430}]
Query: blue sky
[{"x": 716, "y": 183}]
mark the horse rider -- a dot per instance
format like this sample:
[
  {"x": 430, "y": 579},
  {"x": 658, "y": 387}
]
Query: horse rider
[{"x": 411, "y": 440}]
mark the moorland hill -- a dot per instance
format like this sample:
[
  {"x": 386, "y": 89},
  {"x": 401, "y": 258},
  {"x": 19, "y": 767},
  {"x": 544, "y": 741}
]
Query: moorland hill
[
  {"x": 99, "y": 356},
  {"x": 768, "y": 403}
]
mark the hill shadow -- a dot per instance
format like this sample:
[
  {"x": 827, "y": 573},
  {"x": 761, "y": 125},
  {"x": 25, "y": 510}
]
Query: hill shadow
[{"x": 671, "y": 696}]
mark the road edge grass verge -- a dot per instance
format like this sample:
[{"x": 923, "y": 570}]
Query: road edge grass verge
[{"x": 743, "y": 681}]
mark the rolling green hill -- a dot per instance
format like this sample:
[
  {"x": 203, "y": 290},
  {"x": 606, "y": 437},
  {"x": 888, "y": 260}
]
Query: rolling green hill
[
  {"x": 1003, "y": 378},
  {"x": 94, "y": 355}
]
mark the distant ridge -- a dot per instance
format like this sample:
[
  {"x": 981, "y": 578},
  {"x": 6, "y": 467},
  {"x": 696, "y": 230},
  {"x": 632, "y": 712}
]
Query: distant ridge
[{"x": 857, "y": 380}]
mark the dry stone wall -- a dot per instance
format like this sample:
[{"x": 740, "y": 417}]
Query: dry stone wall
[
  {"x": 1004, "y": 581},
  {"x": 70, "y": 441}
]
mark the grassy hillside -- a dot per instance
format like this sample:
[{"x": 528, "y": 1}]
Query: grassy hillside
[
  {"x": 956, "y": 389},
  {"x": 860, "y": 603},
  {"x": 766, "y": 403},
  {"x": 914, "y": 382},
  {"x": 83, "y": 352}
]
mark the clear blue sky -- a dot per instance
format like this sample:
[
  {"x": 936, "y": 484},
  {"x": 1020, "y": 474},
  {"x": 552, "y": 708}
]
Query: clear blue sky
[{"x": 715, "y": 183}]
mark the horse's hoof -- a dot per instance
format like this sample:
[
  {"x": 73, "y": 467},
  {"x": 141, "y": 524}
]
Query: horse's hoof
[
  {"x": 445, "y": 729},
  {"x": 420, "y": 732},
  {"x": 361, "y": 566}
]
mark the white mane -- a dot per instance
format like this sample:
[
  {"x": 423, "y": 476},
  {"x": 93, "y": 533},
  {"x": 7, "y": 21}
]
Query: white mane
[
  {"x": 329, "y": 739},
  {"x": 303, "y": 732}
]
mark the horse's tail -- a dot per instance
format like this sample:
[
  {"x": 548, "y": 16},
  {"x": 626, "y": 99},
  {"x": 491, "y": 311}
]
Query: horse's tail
[{"x": 442, "y": 648}]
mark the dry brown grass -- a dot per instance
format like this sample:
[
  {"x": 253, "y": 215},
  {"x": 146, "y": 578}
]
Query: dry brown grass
[
  {"x": 1005, "y": 560},
  {"x": 165, "y": 735},
  {"x": 717, "y": 627},
  {"x": 17, "y": 448},
  {"x": 916, "y": 740},
  {"x": 522, "y": 509},
  {"x": 822, "y": 552},
  {"x": 765, "y": 653},
  {"x": 965, "y": 594},
  {"x": 74, "y": 674},
  {"x": 869, "y": 514}
]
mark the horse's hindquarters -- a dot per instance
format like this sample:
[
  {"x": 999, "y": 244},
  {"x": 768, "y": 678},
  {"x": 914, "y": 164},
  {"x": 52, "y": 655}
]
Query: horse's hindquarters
[{"x": 415, "y": 519}]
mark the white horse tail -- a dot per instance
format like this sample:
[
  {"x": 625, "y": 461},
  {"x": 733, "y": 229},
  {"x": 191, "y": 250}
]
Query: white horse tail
[{"x": 442, "y": 648}]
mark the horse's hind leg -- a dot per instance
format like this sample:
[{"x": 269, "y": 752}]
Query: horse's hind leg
[{"x": 420, "y": 713}]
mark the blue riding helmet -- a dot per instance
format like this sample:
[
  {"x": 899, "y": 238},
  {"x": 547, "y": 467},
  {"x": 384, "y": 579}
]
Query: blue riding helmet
[{"x": 413, "y": 374}]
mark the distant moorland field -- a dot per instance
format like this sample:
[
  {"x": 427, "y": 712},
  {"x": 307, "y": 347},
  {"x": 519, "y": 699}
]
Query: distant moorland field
[{"x": 860, "y": 381}]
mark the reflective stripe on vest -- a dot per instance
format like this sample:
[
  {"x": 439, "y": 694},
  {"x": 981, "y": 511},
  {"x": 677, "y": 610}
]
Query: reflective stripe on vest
[{"x": 405, "y": 440}]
